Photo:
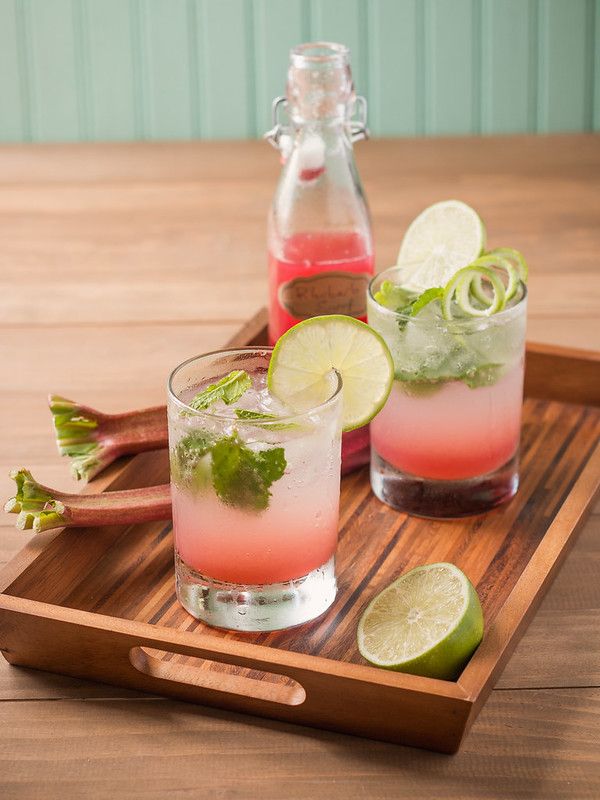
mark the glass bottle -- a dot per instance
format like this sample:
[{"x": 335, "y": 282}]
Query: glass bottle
[{"x": 319, "y": 233}]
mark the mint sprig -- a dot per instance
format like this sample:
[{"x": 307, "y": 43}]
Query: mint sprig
[
  {"x": 246, "y": 414},
  {"x": 392, "y": 296},
  {"x": 228, "y": 389},
  {"x": 425, "y": 382},
  {"x": 242, "y": 477},
  {"x": 190, "y": 460},
  {"x": 404, "y": 302},
  {"x": 259, "y": 416},
  {"x": 417, "y": 304}
]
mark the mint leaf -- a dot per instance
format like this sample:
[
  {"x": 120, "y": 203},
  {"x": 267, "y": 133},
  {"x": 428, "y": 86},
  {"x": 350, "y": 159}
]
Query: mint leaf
[
  {"x": 418, "y": 304},
  {"x": 392, "y": 296},
  {"x": 424, "y": 299},
  {"x": 228, "y": 389},
  {"x": 248, "y": 416},
  {"x": 244, "y": 413},
  {"x": 241, "y": 477},
  {"x": 483, "y": 375},
  {"x": 271, "y": 464},
  {"x": 425, "y": 382},
  {"x": 190, "y": 460}
]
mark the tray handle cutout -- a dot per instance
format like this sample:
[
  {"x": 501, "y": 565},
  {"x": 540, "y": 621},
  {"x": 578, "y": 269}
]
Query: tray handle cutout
[{"x": 227, "y": 678}]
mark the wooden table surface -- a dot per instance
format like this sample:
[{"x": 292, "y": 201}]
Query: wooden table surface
[{"x": 118, "y": 261}]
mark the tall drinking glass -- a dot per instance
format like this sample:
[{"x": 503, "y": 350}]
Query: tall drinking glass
[
  {"x": 255, "y": 498},
  {"x": 446, "y": 443}
]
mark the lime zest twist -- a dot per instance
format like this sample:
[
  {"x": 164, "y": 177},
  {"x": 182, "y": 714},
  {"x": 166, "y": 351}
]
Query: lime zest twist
[
  {"x": 495, "y": 262},
  {"x": 459, "y": 289},
  {"x": 514, "y": 256}
]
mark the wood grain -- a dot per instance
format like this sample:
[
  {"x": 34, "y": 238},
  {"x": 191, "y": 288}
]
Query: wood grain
[
  {"x": 537, "y": 193},
  {"x": 133, "y": 214},
  {"x": 125, "y": 572},
  {"x": 532, "y": 744}
]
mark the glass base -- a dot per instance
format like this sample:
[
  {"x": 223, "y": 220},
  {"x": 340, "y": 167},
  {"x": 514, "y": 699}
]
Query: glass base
[
  {"x": 442, "y": 499},
  {"x": 256, "y": 608}
]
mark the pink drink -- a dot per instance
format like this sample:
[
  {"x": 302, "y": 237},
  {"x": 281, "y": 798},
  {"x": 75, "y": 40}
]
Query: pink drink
[
  {"x": 255, "y": 491},
  {"x": 446, "y": 442},
  {"x": 454, "y": 432},
  {"x": 318, "y": 273},
  {"x": 296, "y": 534}
]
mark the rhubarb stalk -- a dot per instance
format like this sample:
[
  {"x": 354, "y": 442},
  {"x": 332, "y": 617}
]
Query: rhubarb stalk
[
  {"x": 93, "y": 440},
  {"x": 40, "y": 508}
]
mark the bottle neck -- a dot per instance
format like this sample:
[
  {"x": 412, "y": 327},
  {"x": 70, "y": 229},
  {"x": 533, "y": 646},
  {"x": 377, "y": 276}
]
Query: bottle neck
[{"x": 352, "y": 126}]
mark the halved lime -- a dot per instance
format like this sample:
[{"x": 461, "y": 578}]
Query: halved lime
[
  {"x": 442, "y": 239},
  {"x": 305, "y": 359},
  {"x": 427, "y": 622}
]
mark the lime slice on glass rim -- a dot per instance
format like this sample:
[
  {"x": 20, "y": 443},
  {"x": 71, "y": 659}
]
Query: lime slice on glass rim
[
  {"x": 427, "y": 622},
  {"x": 305, "y": 359},
  {"x": 442, "y": 239}
]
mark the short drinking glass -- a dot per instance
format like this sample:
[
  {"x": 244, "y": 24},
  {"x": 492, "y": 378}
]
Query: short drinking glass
[
  {"x": 255, "y": 496},
  {"x": 446, "y": 442}
]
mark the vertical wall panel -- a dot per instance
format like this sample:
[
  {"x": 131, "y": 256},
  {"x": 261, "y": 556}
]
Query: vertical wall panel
[
  {"x": 127, "y": 69},
  {"x": 562, "y": 65},
  {"x": 449, "y": 82},
  {"x": 505, "y": 83},
  {"x": 344, "y": 21},
  {"x": 393, "y": 90},
  {"x": 49, "y": 25},
  {"x": 165, "y": 60},
  {"x": 278, "y": 27},
  {"x": 111, "y": 101},
  {"x": 226, "y": 68},
  {"x": 13, "y": 99}
]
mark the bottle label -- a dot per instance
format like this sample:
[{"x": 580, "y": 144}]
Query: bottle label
[{"x": 326, "y": 293}]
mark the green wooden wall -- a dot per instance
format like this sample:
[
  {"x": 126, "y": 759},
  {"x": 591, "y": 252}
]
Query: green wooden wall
[{"x": 176, "y": 69}]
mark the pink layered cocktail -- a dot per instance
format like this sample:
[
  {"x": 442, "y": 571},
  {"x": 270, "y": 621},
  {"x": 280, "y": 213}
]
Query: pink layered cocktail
[
  {"x": 454, "y": 432},
  {"x": 446, "y": 443},
  {"x": 255, "y": 495}
]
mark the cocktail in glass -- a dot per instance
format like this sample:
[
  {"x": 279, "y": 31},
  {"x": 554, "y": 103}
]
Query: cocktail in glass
[
  {"x": 255, "y": 497},
  {"x": 446, "y": 443}
]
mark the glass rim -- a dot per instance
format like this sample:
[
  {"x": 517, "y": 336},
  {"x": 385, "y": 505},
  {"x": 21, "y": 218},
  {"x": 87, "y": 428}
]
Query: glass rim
[
  {"x": 261, "y": 423},
  {"x": 307, "y": 54},
  {"x": 498, "y": 316}
]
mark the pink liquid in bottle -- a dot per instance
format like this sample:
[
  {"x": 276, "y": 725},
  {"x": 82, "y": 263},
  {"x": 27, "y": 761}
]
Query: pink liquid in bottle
[{"x": 325, "y": 272}]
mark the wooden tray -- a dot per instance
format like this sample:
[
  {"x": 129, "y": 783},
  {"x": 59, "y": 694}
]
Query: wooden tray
[{"x": 100, "y": 603}]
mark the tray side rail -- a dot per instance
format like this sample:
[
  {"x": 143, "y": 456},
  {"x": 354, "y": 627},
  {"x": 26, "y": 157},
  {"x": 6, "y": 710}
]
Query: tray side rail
[
  {"x": 490, "y": 658},
  {"x": 325, "y": 694}
]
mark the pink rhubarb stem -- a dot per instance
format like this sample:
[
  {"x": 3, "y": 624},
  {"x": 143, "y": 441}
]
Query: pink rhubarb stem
[
  {"x": 93, "y": 440},
  {"x": 41, "y": 508}
]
